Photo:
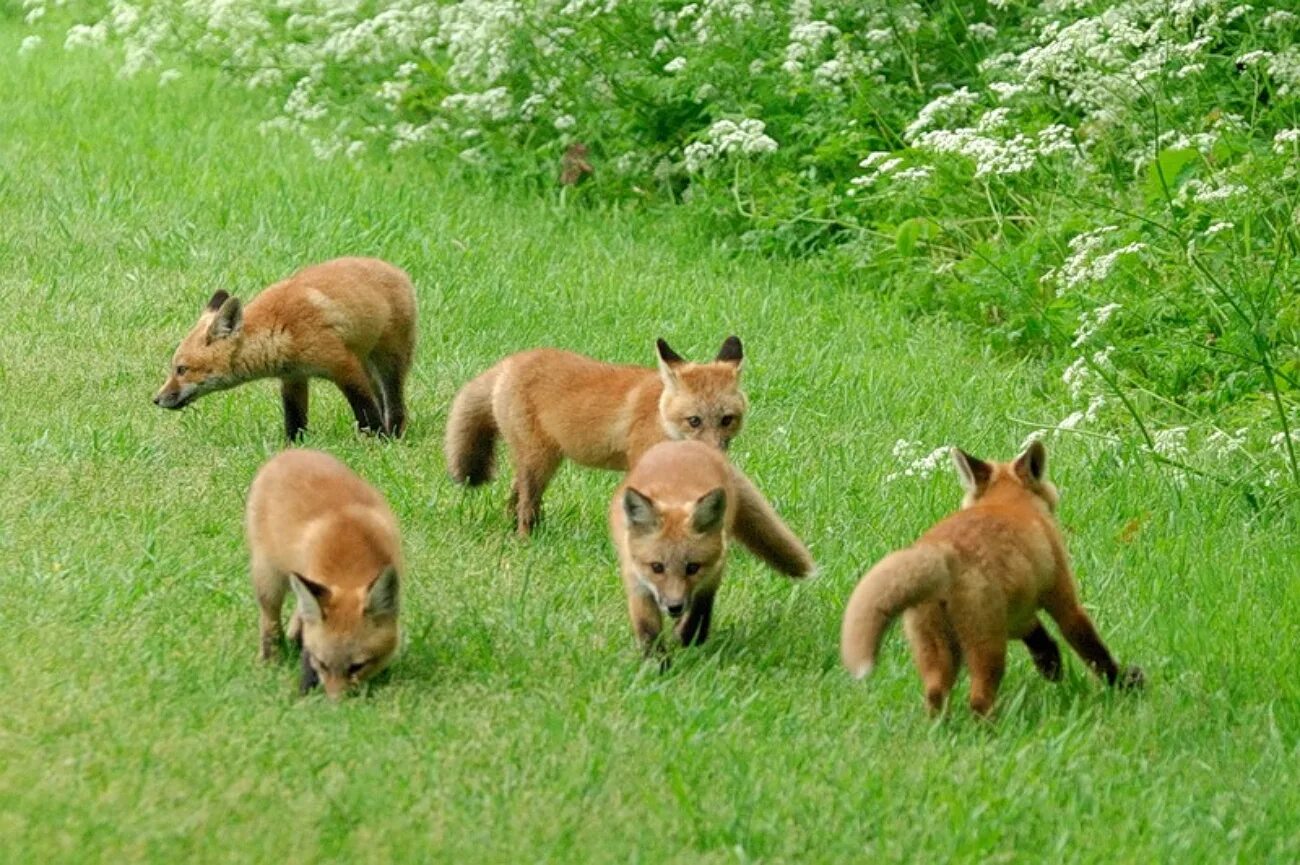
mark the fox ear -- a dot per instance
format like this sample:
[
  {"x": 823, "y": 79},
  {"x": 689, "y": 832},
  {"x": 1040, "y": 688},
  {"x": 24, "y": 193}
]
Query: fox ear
[
  {"x": 381, "y": 597},
  {"x": 731, "y": 352},
  {"x": 309, "y": 597},
  {"x": 974, "y": 473},
  {"x": 640, "y": 511},
  {"x": 230, "y": 317},
  {"x": 217, "y": 299},
  {"x": 710, "y": 509},
  {"x": 669, "y": 360},
  {"x": 1032, "y": 464}
]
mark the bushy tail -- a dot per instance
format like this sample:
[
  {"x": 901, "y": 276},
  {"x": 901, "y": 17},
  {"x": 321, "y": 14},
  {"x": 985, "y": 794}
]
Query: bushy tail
[
  {"x": 900, "y": 580},
  {"x": 472, "y": 432},
  {"x": 759, "y": 528}
]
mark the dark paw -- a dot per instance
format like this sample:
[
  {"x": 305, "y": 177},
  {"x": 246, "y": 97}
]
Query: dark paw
[{"x": 1131, "y": 679}]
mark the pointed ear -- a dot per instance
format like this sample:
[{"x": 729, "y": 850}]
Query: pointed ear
[
  {"x": 309, "y": 596},
  {"x": 1032, "y": 464},
  {"x": 217, "y": 299},
  {"x": 381, "y": 597},
  {"x": 230, "y": 317},
  {"x": 974, "y": 473},
  {"x": 640, "y": 511},
  {"x": 669, "y": 360},
  {"x": 731, "y": 352},
  {"x": 710, "y": 509}
]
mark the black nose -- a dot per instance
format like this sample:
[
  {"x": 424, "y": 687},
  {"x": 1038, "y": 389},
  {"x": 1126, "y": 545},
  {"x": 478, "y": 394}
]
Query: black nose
[
  {"x": 157, "y": 400},
  {"x": 676, "y": 610}
]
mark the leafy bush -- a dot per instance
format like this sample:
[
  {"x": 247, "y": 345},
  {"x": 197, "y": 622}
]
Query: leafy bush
[{"x": 1113, "y": 185}]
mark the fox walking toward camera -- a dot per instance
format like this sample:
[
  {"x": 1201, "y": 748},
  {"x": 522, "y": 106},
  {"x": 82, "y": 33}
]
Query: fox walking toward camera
[
  {"x": 549, "y": 404},
  {"x": 669, "y": 521},
  {"x": 976, "y": 580},
  {"x": 350, "y": 320},
  {"x": 317, "y": 528}
]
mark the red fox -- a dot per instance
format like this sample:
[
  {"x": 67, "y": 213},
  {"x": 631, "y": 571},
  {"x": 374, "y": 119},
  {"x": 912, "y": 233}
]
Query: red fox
[
  {"x": 351, "y": 320},
  {"x": 551, "y": 404},
  {"x": 669, "y": 521},
  {"x": 976, "y": 579},
  {"x": 316, "y": 528}
]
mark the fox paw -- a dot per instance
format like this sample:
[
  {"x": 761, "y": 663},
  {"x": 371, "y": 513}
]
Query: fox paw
[{"x": 1131, "y": 679}]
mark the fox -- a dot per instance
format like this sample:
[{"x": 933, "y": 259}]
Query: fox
[
  {"x": 350, "y": 320},
  {"x": 669, "y": 521},
  {"x": 550, "y": 404},
  {"x": 975, "y": 580},
  {"x": 316, "y": 528}
]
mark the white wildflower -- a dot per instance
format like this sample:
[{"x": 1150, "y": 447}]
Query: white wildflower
[
  {"x": 167, "y": 76},
  {"x": 1279, "y": 19},
  {"x": 1170, "y": 442},
  {"x": 565, "y": 122},
  {"x": 677, "y": 64},
  {"x": 1253, "y": 58},
  {"x": 942, "y": 106},
  {"x": 697, "y": 155},
  {"x": 1218, "y": 228},
  {"x": 30, "y": 44},
  {"x": 982, "y": 32}
]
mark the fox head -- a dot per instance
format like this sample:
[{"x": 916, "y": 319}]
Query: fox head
[
  {"x": 347, "y": 636},
  {"x": 702, "y": 401},
  {"x": 202, "y": 362},
  {"x": 1027, "y": 475},
  {"x": 675, "y": 549}
]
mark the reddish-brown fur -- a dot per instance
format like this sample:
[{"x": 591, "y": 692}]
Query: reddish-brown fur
[
  {"x": 317, "y": 528},
  {"x": 976, "y": 580},
  {"x": 350, "y": 320},
  {"x": 549, "y": 404}
]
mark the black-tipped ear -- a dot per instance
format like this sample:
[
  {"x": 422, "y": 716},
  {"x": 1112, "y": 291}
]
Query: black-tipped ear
[
  {"x": 732, "y": 351},
  {"x": 974, "y": 472},
  {"x": 381, "y": 596},
  {"x": 217, "y": 299},
  {"x": 667, "y": 355},
  {"x": 640, "y": 511},
  {"x": 309, "y": 595},
  {"x": 710, "y": 509},
  {"x": 1032, "y": 464},
  {"x": 230, "y": 317}
]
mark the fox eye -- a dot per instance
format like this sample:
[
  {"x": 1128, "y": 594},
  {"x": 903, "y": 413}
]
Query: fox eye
[
  {"x": 692, "y": 568},
  {"x": 182, "y": 369},
  {"x": 727, "y": 419},
  {"x": 657, "y": 567},
  {"x": 353, "y": 669},
  {"x": 694, "y": 420}
]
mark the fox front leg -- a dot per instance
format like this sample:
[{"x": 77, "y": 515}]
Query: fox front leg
[{"x": 309, "y": 677}]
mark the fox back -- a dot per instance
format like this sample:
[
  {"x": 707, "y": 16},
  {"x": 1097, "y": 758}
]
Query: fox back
[{"x": 329, "y": 536}]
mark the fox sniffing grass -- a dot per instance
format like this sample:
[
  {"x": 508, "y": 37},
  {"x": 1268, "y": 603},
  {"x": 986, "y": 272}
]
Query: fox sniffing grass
[
  {"x": 350, "y": 320},
  {"x": 669, "y": 521},
  {"x": 317, "y": 528},
  {"x": 549, "y": 404},
  {"x": 975, "y": 580}
]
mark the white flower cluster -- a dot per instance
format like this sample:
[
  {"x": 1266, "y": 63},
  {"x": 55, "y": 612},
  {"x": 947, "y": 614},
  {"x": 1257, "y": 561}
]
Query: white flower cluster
[
  {"x": 880, "y": 165},
  {"x": 727, "y": 137},
  {"x": 916, "y": 463},
  {"x": 1090, "y": 323},
  {"x": 1087, "y": 264}
]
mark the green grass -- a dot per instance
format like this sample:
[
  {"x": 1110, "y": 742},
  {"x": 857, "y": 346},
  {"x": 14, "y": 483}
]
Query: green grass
[{"x": 518, "y": 723}]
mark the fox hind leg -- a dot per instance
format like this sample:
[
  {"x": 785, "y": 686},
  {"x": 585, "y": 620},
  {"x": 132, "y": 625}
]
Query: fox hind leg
[
  {"x": 933, "y": 651},
  {"x": 534, "y": 468},
  {"x": 1082, "y": 636},
  {"x": 390, "y": 379},
  {"x": 294, "y": 396},
  {"x": 1044, "y": 652},
  {"x": 270, "y": 587},
  {"x": 354, "y": 381}
]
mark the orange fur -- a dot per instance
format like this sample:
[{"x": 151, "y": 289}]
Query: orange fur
[
  {"x": 350, "y": 320},
  {"x": 975, "y": 580},
  {"x": 315, "y": 527}
]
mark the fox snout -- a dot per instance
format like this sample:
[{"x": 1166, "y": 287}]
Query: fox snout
[
  {"x": 675, "y": 608},
  {"x": 174, "y": 397}
]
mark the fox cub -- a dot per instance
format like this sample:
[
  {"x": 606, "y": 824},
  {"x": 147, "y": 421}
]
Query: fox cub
[
  {"x": 669, "y": 521},
  {"x": 975, "y": 580},
  {"x": 316, "y": 528},
  {"x": 351, "y": 320}
]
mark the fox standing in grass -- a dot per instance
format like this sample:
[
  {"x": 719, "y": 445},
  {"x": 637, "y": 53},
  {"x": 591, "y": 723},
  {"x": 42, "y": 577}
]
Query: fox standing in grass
[
  {"x": 975, "y": 580},
  {"x": 317, "y": 528},
  {"x": 549, "y": 404},
  {"x": 669, "y": 521},
  {"x": 351, "y": 320}
]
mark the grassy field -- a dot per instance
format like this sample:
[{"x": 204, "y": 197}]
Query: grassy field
[{"x": 518, "y": 723}]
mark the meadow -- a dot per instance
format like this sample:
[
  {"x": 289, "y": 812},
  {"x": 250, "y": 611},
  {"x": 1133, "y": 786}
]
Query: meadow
[{"x": 519, "y": 723}]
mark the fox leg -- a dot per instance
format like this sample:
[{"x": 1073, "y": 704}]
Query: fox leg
[
  {"x": 933, "y": 653},
  {"x": 534, "y": 468},
  {"x": 354, "y": 381},
  {"x": 1082, "y": 636},
  {"x": 270, "y": 588},
  {"x": 294, "y": 394},
  {"x": 390, "y": 374},
  {"x": 646, "y": 621},
  {"x": 987, "y": 659},
  {"x": 693, "y": 629},
  {"x": 1044, "y": 651}
]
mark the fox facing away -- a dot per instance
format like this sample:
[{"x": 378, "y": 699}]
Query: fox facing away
[
  {"x": 975, "y": 580},
  {"x": 350, "y": 320},
  {"x": 315, "y": 527},
  {"x": 669, "y": 521},
  {"x": 549, "y": 404}
]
